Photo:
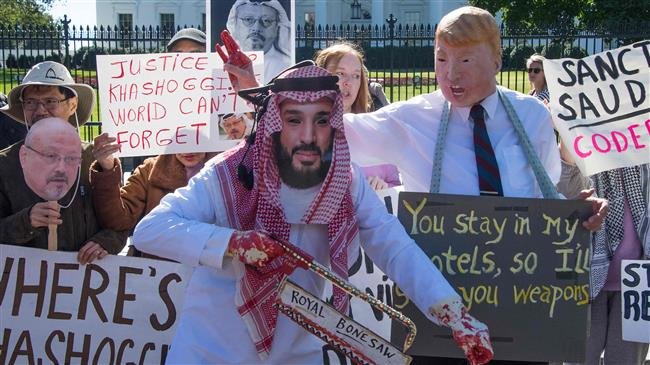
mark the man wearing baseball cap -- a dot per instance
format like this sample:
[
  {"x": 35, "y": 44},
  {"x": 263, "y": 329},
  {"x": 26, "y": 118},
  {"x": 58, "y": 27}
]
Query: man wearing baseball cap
[
  {"x": 188, "y": 40},
  {"x": 48, "y": 90}
]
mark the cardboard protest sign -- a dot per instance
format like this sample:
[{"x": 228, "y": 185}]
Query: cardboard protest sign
[
  {"x": 601, "y": 107},
  {"x": 367, "y": 277},
  {"x": 168, "y": 102},
  {"x": 521, "y": 266},
  {"x": 116, "y": 310},
  {"x": 322, "y": 320},
  {"x": 635, "y": 300}
]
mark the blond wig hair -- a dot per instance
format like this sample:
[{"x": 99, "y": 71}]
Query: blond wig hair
[{"x": 469, "y": 25}]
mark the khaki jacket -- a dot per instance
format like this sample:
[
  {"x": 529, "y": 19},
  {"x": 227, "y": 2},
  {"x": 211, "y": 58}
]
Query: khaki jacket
[{"x": 121, "y": 208}]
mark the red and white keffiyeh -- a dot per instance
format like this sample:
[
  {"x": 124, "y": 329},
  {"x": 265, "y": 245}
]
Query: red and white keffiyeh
[{"x": 260, "y": 208}]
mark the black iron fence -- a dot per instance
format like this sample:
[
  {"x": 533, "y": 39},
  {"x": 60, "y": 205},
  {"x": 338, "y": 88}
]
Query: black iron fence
[{"x": 399, "y": 56}]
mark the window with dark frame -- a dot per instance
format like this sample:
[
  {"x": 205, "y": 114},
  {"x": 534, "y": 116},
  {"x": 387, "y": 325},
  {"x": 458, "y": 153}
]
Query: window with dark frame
[
  {"x": 167, "y": 22},
  {"x": 125, "y": 22}
]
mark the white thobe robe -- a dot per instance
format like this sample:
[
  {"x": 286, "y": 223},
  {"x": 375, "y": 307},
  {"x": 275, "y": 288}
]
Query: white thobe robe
[{"x": 190, "y": 226}]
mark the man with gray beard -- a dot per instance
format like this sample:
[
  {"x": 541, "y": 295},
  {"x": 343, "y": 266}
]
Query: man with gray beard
[
  {"x": 46, "y": 191},
  {"x": 48, "y": 90},
  {"x": 263, "y": 26}
]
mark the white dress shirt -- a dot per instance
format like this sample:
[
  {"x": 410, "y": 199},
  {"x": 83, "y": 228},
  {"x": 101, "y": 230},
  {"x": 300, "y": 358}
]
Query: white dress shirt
[
  {"x": 190, "y": 225},
  {"x": 404, "y": 134},
  {"x": 274, "y": 63}
]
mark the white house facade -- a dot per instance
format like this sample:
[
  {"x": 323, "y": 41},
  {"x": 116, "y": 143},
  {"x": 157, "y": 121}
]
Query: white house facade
[
  {"x": 314, "y": 12},
  {"x": 164, "y": 13},
  {"x": 373, "y": 12}
]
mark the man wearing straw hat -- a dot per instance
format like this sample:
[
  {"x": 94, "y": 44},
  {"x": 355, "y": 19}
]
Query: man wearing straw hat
[{"x": 47, "y": 91}]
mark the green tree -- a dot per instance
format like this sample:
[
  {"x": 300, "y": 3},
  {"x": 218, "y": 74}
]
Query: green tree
[
  {"x": 25, "y": 12},
  {"x": 536, "y": 15},
  {"x": 627, "y": 21},
  {"x": 567, "y": 15}
]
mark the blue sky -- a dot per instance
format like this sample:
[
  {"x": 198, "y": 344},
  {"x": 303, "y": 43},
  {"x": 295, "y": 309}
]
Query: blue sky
[{"x": 82, "y": 12}]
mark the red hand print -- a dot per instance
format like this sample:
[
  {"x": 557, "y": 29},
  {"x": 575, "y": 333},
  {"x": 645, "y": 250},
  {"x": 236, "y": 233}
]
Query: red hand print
[
  {"x": 469, "y": 333},
  {"x": 233, "y": 55},
  {"x": 254, "y": 248}
]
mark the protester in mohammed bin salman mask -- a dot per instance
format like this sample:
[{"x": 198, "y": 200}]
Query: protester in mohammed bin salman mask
[
  {"x": 294, "y": 182},
  {"x": 48, "y": 91}
]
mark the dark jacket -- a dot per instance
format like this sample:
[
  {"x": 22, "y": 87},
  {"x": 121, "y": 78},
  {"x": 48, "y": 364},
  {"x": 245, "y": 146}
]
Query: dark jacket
[
  {"x": 10, "y": 131},
  {"x": 79, "y": 222}
]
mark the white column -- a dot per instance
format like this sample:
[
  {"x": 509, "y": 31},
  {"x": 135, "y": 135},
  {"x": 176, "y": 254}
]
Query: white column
[
  {"x": 378, "y": 16},
  {"x": 443, "y": 9},
  {"x": 434, "y": 12},
  {"x": 321, "y": 13}
]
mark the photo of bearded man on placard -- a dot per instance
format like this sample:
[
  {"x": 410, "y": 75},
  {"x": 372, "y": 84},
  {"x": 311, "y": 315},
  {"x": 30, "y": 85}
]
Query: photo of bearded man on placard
[
  {"x": 50, "y": 158},
  {"x": 257, "y": 25}
]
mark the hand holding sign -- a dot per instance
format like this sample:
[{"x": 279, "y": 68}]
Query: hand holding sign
[
  {"x": 236, "y": 63},
  {"x": 599, "y": 207},
  {"x": 91, "y": 251},
  {"x": 103, "y": 149},
  {"x": 471, "y": 335},
  {"x": 52, "y": 237},
  {"x": 42, "y": 215}
]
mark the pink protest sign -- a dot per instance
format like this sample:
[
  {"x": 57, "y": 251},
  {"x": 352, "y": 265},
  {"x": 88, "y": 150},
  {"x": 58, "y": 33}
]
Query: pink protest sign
[
  {"x": 601, "y": 106},
  {"x": 167, "y": 103}
]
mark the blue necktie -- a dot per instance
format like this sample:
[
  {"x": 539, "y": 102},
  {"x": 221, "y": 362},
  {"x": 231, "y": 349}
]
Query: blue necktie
[{"x": 489, "y": 178}]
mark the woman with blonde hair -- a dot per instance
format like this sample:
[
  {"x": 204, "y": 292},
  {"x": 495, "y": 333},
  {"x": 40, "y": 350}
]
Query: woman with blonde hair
[
  {"x": 535, "y": 70},
  {"x": 345, "y": 60}
]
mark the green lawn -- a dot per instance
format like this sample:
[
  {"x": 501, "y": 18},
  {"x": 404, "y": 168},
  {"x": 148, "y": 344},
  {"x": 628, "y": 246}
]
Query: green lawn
[{"x": 516, "y": 80}]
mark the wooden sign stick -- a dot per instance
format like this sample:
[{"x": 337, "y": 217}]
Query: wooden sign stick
[{"x": 52, "y": 239}]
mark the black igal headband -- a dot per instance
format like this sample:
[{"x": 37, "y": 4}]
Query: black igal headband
[{"x": 258, "y": 95}]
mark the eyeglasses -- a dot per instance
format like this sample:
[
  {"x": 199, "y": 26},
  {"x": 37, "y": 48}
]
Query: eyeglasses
[
  {"x": 266, "y": 22},
  {"x": 231, "y": 122},
  {"x": 49, "y": 103},
  {"x": 533, "y": 69},
  {"x": 53, "y": 158}
]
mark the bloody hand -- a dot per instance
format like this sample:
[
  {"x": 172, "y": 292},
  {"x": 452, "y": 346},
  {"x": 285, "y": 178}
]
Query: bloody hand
[
  {"x": 233, "y": 55},
  {"x": 254, "y": 248},
  {"x": 471, "y": 335}
]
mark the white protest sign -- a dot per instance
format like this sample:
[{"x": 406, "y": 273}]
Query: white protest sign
[
  {"x": 167, "y": 102},
  {"x": 601, "y": 107},
  {"x": 324, "y": 321},
  {"x": 368, "y": 278},
  {"x": 116, "y": 310},
  {"x": 635, "y": 300}
]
